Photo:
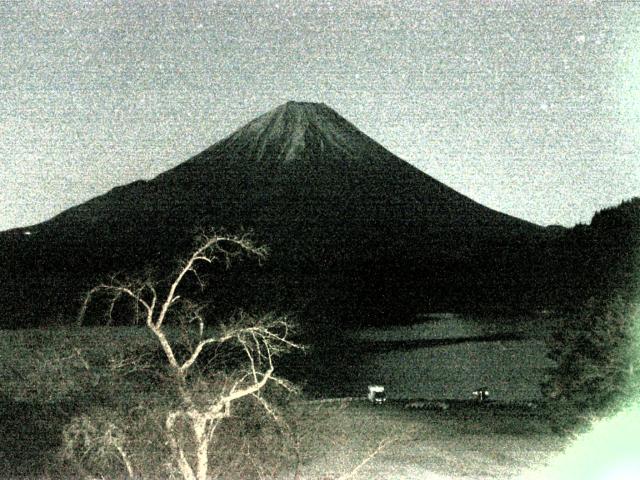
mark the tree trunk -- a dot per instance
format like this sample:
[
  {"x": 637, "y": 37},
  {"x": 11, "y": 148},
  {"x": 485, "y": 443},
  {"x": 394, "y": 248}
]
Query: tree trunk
[{"x": 202, "y": 451}]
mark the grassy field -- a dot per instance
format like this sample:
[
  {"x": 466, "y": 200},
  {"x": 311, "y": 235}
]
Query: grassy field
[
  {"x": 465, "y": 441},
  {"x": 49, "y": 377}
]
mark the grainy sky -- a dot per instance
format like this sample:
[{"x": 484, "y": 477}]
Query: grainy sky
[{"x": 531, "y": 108}]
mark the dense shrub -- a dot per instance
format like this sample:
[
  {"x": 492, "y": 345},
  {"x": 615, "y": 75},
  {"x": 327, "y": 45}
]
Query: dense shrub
[
  {"x": 595, "y": 351},
  {"x": 106, "y": 442}
]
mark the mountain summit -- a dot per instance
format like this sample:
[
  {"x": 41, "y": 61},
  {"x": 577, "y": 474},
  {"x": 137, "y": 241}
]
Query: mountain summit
[
  {"x": 285, "y": 133},
  {"x": 328, "y": 200}
]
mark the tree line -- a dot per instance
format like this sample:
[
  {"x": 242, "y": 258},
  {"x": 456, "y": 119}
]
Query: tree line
[{"x": 595, "y": 345}]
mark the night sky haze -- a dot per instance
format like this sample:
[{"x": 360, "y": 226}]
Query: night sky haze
[{"x": 530, "y": 108}]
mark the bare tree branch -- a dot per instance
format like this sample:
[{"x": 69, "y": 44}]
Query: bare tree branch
[
  {"x": 183, "y": 464},
  {"x": 196, "y": 353},
  {"x": 384, "y": 443},
  {"x": 261, "y": 339}
]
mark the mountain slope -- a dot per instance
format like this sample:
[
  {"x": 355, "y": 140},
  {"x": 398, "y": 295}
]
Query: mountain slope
[
  {"x": 327, "y": 199},
  {"x": 295, "y": 151}
]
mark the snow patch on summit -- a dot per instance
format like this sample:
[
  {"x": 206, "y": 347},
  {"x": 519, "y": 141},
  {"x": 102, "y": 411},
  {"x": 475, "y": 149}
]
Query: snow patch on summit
[{"x": 293, "y": 127}]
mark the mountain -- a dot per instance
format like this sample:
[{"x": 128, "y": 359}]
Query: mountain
[{"x": 347, "y": 223}]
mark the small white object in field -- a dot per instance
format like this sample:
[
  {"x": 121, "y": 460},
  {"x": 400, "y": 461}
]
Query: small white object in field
[
  {"x": 481, "y": 394},
  {"x": 376, "y": 394}
]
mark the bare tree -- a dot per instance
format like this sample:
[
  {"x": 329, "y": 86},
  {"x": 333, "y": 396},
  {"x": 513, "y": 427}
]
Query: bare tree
[{"x": 260, "y": 339}]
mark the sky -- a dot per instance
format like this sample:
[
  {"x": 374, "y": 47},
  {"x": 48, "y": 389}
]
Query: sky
[{"x": 531, "y": 108}]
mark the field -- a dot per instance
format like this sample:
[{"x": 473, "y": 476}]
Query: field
[
  {"x": 445, "y": 356},
  {"x": 465, "y": 441},
  {"x": 51, "y": 376}
]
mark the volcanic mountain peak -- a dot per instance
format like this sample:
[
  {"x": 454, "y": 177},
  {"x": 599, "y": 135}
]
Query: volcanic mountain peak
[
  {"x": 331, "y": 203},
  {"x": 295, "y": 115},
  {"x": 285, "y": 133}
]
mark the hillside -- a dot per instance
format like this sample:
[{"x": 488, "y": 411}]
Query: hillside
[{"x": 347, "y": 223}]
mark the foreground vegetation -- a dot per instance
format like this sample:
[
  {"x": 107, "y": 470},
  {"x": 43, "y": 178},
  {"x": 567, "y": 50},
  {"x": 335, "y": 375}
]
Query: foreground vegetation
[
  {"x": 70, "y": 396},
  {"x": 466, "y": 440},
  {"x": 182, "y": 396}
]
